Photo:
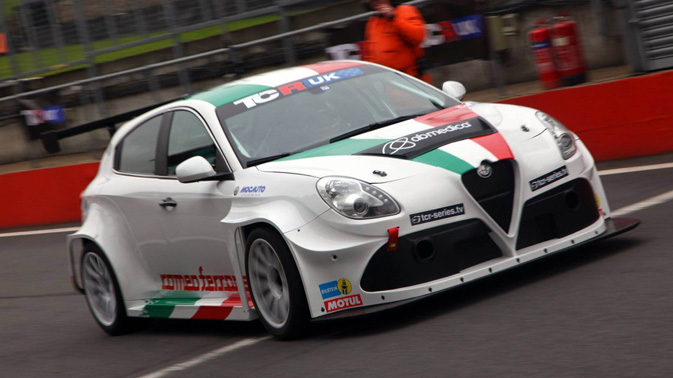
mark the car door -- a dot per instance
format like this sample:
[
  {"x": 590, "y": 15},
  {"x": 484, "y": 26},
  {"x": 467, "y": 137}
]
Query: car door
[
  {"x": 196, "y": 256},
  {"x": 132, "y": 190}
]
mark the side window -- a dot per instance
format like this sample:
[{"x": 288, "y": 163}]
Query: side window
[
  {"x": 137, "y": 151},
  {"x": 188, "y": 137}
]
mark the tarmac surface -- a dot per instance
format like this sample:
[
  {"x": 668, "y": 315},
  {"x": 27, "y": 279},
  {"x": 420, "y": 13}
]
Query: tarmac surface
[{"x": 601, "y": 310}]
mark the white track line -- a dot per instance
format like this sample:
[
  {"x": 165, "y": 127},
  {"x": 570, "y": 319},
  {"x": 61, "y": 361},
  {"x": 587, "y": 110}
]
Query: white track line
[
  {"x": 652, "y": 201},
  {"x": 205, "y": 357},
  {"x": 641, "y": 168},
  {"x": 39, "y": 232}
]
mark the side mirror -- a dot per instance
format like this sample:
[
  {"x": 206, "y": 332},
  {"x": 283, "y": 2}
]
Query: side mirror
[
  {"x": 454, "y": 89},
  {"x": 194, "y": 169}
]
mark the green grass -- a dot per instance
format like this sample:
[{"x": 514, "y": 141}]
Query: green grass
[
  {"x": 49, "y": 57},
  {"x": 8, "y": 6}
]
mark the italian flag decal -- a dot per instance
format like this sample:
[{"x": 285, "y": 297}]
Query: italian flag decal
[
  {"x": 455, "y": 139},
  {"x": 195, "y": 308}
]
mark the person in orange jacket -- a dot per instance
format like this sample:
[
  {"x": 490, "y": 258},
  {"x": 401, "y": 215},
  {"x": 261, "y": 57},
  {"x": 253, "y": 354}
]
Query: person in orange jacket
[{"x": 393, "y": 37}]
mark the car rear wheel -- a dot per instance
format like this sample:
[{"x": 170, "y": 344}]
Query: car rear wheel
[
  {"x": 103, "y": 295},
  {"x": 275, "y": 285}
]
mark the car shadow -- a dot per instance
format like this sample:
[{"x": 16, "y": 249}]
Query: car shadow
[
  {"x": 471, "y": 293},
  {"x": 418, "y": 311}
]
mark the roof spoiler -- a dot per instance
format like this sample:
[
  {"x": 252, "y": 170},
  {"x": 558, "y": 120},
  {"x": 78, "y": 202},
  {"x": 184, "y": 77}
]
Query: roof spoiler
[{"x": 50, "y": 139}]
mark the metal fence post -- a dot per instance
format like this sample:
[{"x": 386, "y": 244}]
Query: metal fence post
[
  {"x": 241, "y": 6},
  {"x": 13, "y": 64},
  {"x": 137, "y": 18},
  {"x": 92, "y": 70},
  {"x": 205, "y": 11},
  {"x": 56, "y": 32},
  {"x": 288, "y": 46},
  {"x": 28, "y": 27},
  {"x": 110, "y": 24},
  {"x": 178, "y": 51}
]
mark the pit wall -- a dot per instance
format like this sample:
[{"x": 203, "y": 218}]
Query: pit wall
[{"x": 616, "y": 119}]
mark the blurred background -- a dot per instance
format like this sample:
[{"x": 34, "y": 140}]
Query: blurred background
[{"x": 68, "y": 63}]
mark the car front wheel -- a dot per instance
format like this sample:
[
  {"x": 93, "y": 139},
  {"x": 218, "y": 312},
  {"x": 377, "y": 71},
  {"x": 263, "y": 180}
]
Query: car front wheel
[{"x": 275, "y": 285}]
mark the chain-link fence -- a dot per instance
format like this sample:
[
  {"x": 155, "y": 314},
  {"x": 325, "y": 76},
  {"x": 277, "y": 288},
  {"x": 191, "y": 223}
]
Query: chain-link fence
[{"x": 39, "y": 36}]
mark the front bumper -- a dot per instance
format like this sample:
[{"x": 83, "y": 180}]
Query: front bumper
[
  {"x": 614, "y": 227},
  {"x": 347, "y": 267}
]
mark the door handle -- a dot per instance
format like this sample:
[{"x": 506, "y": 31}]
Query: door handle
[{"x": 168, "y": 202}]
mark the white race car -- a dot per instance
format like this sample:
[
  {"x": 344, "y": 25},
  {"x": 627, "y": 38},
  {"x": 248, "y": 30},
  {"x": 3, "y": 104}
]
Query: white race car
[{"x": 322, "y": 191}]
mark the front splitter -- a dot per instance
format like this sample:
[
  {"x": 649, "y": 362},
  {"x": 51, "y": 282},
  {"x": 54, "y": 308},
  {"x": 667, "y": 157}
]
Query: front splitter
[{"x": 613, "y": 227}]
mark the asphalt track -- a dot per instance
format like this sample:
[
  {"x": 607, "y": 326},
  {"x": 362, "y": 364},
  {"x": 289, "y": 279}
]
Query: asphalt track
[{"x": 602, "y": 310}]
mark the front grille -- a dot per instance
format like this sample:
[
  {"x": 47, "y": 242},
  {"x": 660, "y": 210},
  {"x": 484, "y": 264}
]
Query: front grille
[
  {"x": 431, "y": 254},
  {"x": 495, "y": 194},
  {"x": 557, "y": 213}
]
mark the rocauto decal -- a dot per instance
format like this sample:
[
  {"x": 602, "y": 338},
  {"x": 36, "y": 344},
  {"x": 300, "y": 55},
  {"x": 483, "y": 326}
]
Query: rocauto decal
[
  {"x": 548, "y": 178},
  {"x": 339, "y": 288},
  {"x": 250, "y": 190},
  {"x": 199, "y": 282},
  {"x": 413, "y": 145}
]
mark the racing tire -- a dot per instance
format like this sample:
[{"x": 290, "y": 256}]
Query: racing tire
[
  {"x": 103, "y": 295},
  {"x": 275, "y": 285}
]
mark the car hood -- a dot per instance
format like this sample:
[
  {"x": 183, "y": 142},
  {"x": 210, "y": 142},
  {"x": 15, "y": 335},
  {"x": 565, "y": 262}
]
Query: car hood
[
  {"x": 366, "y": 168},
  {"x": 456, "y": 139}
]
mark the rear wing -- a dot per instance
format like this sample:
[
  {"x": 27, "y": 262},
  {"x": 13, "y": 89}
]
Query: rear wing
[{"x": 50, "y": 139}]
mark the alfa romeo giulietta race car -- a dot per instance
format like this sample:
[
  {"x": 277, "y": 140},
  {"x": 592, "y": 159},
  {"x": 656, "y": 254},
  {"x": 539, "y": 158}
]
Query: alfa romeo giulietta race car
[{"x": 322, "y": 191}]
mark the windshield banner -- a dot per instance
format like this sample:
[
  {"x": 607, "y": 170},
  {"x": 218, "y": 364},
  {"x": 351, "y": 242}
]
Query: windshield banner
[{"x": 416, "y": 144}]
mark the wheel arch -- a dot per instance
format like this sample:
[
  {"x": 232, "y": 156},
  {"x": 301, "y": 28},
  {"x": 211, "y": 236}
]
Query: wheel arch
[{"x": 106, "y": 230}]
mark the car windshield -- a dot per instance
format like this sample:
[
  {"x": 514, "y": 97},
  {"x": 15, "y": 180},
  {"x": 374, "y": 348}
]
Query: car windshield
[{"x": 295, "y": 117}]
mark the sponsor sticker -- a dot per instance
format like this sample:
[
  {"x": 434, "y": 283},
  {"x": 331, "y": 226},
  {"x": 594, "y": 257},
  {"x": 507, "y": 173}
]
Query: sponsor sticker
[
  {"x": 335, "y": 288},
  {"x": 285, "y": 90},
  {"x": 343, "y": 303},
  {"x": 548, "y": 178},
  {"x": 51, "y": 114},
  {"x": 437, "y": 214},
  {"x": 413, "y": 145},
  {"x": 200, "y": 282},
  {"x": 250, "y": 191}
]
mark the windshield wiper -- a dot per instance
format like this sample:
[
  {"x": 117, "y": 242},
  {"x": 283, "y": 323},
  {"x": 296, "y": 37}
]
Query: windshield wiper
[
  {"x": 266, "y": 159},
  {"x": 375, "y": 125}
]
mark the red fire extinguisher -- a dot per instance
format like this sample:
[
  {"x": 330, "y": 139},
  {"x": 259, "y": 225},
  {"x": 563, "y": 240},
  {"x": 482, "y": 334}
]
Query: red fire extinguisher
[
  {"x": 544, "y": 56},
  {"x": 567, "y": 51}
]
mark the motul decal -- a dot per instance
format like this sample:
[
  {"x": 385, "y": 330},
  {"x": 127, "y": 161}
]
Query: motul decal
[
  {"x": 343, "y": 303},
  {"x": 199, "y": 282}
]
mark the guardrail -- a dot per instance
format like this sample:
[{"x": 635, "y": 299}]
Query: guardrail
[{"x": 94, "y": 80}]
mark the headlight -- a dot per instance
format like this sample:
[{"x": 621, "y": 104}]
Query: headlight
[
  {"x": 355, "y": 199},
  {"x": 564, "y": 138}
]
